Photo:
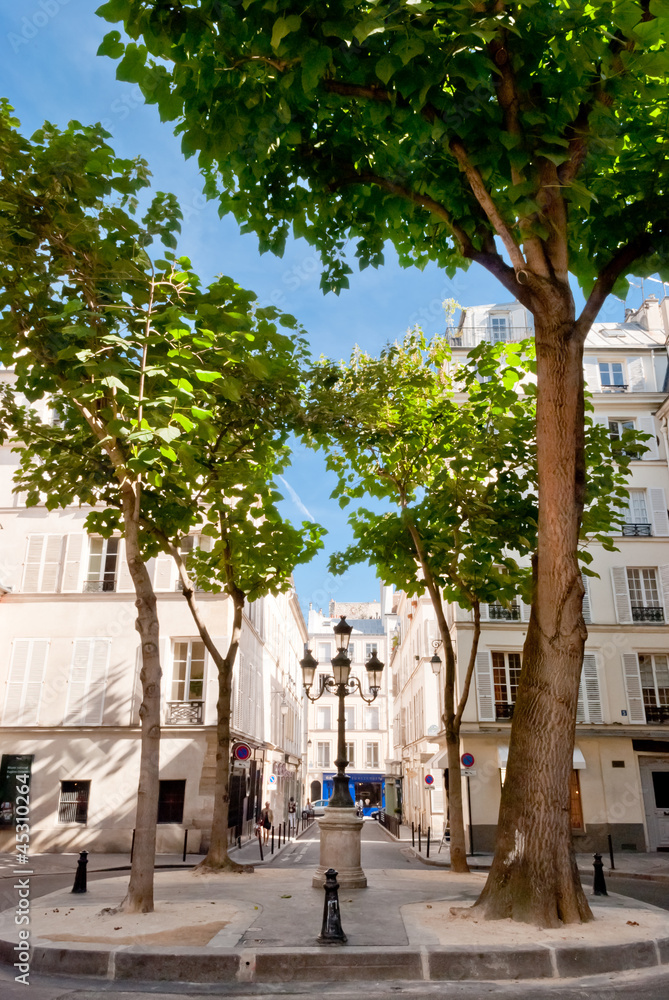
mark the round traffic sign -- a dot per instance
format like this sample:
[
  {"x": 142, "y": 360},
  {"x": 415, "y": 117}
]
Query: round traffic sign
[
  {"x": 272, "y": 779},
  {"x": 429, "y": 779},
  {"x": 467, "y": 759},
  {"x": 241, "y": 751}
]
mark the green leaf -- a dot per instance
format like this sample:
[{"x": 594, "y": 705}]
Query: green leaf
[
  {"x": 385, "y": 67},
  {"x": 284, "y": 26}
]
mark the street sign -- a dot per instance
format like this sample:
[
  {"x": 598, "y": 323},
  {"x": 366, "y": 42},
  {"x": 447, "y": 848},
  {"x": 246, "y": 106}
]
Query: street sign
[
  {"x": 467, "y": 760},
  {"x": 272, "y": 779},
  {"x": 429, "y": 779},
  {"x": 467, "y": 772},
  {"x": 241, "y": 751}
]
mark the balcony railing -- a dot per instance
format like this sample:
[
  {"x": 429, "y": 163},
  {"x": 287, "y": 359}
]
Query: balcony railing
[
  {"x": 504, "y": 710},
  {"x": 641, "y": 613},
  {"x": 497, "y": 612},
  {"x": 184, "y": 713},
  {"x": 471, "y": 336},
  {"x": 657, "y": 714},
  {"x": 99, "y": 586},
  {"x": 643, "y": 530},
  {"x": 614, "y": 388}
]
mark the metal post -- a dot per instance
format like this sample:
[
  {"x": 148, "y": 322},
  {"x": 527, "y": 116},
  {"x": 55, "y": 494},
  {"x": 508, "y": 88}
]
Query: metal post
[
  {"x": 471, "y": 822},
  {"x": 428, "y": 842},
  {"x": 341, "y": 796},
  {"x": 413, "y": 838},
  {"x": 132, "y": 846},
  {"x": 331, "y": 931},
  {"x": 80, "y": 877},
  {"x": 420, "y": 847},
  {"x": 611, "y": 852},
  {"x": 272, "y": 849},
  {"x": 599, "y": 885},
  {"x": 260, "y": 845},
  {"x": 284, "y": 833},
  {"x": 185, "y": 844}
]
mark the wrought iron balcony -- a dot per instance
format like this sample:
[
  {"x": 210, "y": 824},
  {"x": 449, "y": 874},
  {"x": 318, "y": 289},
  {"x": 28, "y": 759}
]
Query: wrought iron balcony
[
  {"x": 657, "y": 714},
  {"x": 614, "y": 388},
  {"x": 497, "y": 612},
  {"x": 471, "y": 336},
  {"x": 504, "y": 710},
  {"x": 643, "y": 530},
  {"x": 99, "y": 586},
  {"x": 184, "y": 713},
  {"x": 641, "y": 613}
]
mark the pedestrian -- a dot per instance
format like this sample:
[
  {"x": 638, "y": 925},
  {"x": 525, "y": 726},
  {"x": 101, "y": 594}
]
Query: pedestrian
[
  {"x": 292, "y": 815},
  {"x": 267, "y": 820}
]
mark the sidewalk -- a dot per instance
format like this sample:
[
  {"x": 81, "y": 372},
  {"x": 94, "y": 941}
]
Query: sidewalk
[{"x": 653, "y": 867}]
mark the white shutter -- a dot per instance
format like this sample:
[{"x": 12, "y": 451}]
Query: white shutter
[
  {"x": 484, "y": 610},
  {"x": 33, "y": 564},
  {"x": 647, "y": 426},
  {"x": 24, "y": 684},
  {"x": 484, "y": 687},
  {"x": 635, "y": 375},
  {"x": 590, "y": 684},
  {"x": 162, "y": 574},
  {"x": 87, "y": 682},
  {"x": 658, "y": 511},
  {"x": 587, "y": 616},
  {"x": 205, "y": 542},
  {"x": 633, "y": 687},
  {"x": 125, "y": 583},
  {"x": 525, "y": 610},
  {"x": 591, "y": 373},
  {"x": 73, "y": 557},
  {"x": 77, "y": 685},
  {"x": 621, "y": 595},
  {"x": 664, "y": 583},
  {"x": 97, "y": 682},
  {"x": 580, "y": 708},
  {"x": 601, "y": 418},
  {"x": 51, "y": 566}
]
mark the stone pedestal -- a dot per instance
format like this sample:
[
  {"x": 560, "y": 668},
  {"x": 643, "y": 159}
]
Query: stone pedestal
[{"x": 340, "y": 848}]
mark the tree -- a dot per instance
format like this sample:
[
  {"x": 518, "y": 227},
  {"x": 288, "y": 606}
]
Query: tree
[
  {"x": 161, "y": 388},
  {"x": 527, "y": 137},
  {"x": 451, "y": 449}
]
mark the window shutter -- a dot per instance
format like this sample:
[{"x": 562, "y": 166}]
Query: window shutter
[
  {"x": 72, "y": 572},
  {"x": 590, "y": 682},
  {"x": 635, "y": 375},
  {"x": 633, "y": 687},
  {"x": 162, "y": 574},
  {"x": 587, "y": 616},
  {"x": 664, "y": 584},
  {"x": 33, "y": 564},
  {"x": 658, "y": 511},
  {"x": 591, "y": 373},
  {"x": 621, "y": 595},
  {"x": 484, "y": 687},
  {"x": 580, "y": 708},
  {"x": 51, "y": 564},
  {"x": 206, "y": 543},
  {"x": 97, "y": 682},
  {"x": 525, "y": 610},
  {"x": 124, "y": 580},
  {"x": 78, "y": 683},
  {"x": 647, "y": 426},
  {"x": 24, "y": 684},
  {"x": 484, "y": 612}
]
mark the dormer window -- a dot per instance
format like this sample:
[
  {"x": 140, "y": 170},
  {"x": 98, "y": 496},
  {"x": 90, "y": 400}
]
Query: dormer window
[{"x": 498, "y": 329}]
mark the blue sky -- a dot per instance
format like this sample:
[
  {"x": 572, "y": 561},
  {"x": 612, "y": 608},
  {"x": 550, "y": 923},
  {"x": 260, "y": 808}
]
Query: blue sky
[{"x": 49, "y": 70}]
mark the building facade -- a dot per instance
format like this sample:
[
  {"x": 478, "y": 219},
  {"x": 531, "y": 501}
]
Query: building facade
[
  {"x": 70, "y": 690},
  {"x": 620, "y": 779},
  {"x": 367, "y": 726}
]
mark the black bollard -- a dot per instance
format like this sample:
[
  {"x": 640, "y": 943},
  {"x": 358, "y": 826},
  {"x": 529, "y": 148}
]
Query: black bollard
[
  {"x": 599, "y": 885},
  {"x": 331, "y": 931},
  {"x": 413, "y": 835},
  {"x": 132, "y": 846},
  {"x": 611, "y": 852},
  {"x": 80, "y": 877},
  {"x": 272, "y": 840},
  {"x": 260, "y": 843},
  {"x": 183, "y": 858},
  {"x": 419, "y": 839},
  {"x": 428, "y": 842}
]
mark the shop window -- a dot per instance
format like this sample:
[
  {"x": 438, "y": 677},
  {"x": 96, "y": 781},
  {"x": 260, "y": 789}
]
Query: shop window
[
  {"x": 575, "y": 804},
  {"x": 171, "y": 795},
  {"x": 73, "y": 803}
]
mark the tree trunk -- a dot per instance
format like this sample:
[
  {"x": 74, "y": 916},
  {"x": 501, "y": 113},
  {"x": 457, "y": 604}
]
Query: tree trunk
[
  {"x": 217, "y": 856},
  {"x": 534, "y": 877},
  {"x": 139, "y": 898}
]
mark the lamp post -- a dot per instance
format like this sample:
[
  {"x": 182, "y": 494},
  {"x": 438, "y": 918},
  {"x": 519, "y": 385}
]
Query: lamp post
[{"x": 340, "y": 811}]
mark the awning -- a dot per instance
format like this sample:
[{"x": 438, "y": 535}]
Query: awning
[
  {"x": 439, "y": 760},
  {"x": 503, "y": 756}
]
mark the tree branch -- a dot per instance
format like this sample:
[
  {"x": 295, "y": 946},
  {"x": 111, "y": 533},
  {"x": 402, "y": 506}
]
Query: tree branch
[
  {"x": 621, "y": 261},
  {"x": 370, "y": 92}
]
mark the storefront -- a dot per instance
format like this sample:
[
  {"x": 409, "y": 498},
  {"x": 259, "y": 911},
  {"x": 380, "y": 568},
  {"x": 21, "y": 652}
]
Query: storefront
[{"x": 371, "y": 788}]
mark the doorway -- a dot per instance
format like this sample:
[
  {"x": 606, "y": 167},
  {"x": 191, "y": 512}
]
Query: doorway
[{"x": 655, "y": 785}]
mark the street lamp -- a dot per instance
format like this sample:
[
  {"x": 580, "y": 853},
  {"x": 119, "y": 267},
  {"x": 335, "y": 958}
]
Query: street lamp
[{"x": 341, "y": 684}]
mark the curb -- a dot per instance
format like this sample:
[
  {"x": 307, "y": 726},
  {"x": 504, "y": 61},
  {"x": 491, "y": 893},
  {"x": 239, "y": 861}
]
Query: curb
[{"x": 341, "y": 964}]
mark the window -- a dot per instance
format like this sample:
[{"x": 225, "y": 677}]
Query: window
[
  {"x": 499, "y": 612},
  {"x": 188, "y": 670},
  {"x": 349, "y": 718},
  {"x": 73, "y": 803},
  {"x": 644, "y": 595},
  {"x": 616, "y": 430},
  {"x": 636, "y": 514},
  {"x": 323, "y": 755},
  {"x": 42, "y": 566},
  {"x": 171, "y": 796},
  {"x": 371, "y": 718},
  {"x": 102, "y": 563},
  {"x": 370, "y": 647},
  {"x": 323, "y": 718},
  {"x": 498, "y": 329},
  {"x": 87, "y": 682},
  {"x": 654, "y": 672},
  {"x": 24, "y": 684},
  {"x": 505, "y": 673},
  {"x": 612, "y": 376},
  {"x": 372, "y": 755},
  {"x": 323, "y": 652},
  {"x": 575, "y": 804},
  {"x": 350, "y": 753},
  {"x": 351, "y": 652}
]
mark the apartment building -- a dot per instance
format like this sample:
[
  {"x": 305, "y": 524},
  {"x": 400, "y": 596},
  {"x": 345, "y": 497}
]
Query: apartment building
[
  {"x": 70, "y": 689},
  {"x": 367, "y": 726},
  {"x": 620, "y": 778}
]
